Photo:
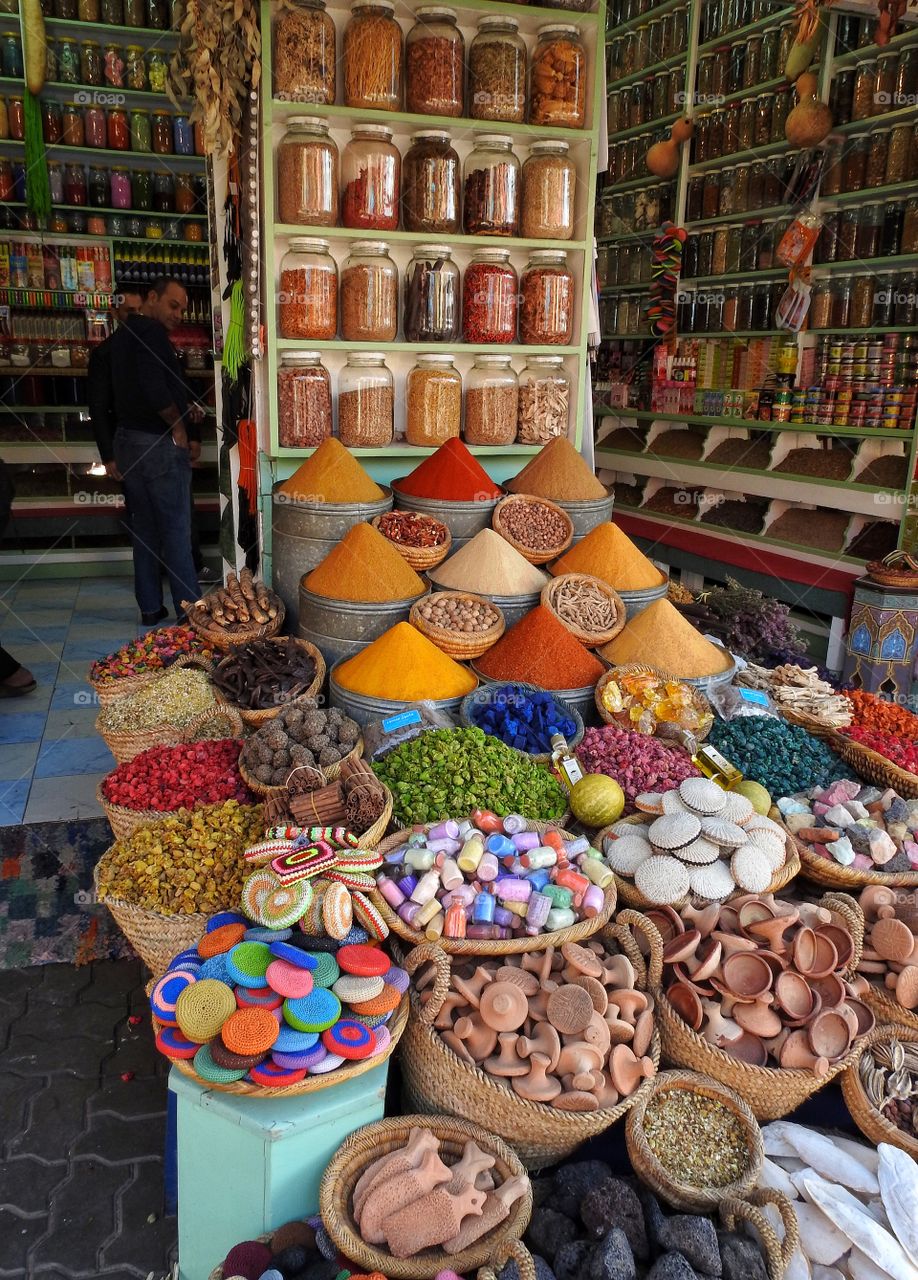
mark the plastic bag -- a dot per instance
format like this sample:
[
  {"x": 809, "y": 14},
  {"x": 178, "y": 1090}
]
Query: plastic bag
[
  {"x": 732, "y": 702},
  {"x": 382, "y": 736}
]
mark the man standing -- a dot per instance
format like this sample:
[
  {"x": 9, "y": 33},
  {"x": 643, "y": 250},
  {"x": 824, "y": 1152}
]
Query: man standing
[
  {"x": 155, "y": 443},
  {"x": 127, "y": 300}
]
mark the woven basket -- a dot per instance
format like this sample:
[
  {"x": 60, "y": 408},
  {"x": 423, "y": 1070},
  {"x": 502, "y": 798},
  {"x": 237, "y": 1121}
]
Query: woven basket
[
  {"x": 420, "y": 558},
  {"x": 735, "y": 1213},
  {"x": 771, "y": 1092},
  {"x": 264, "y": 714},
  {"x": 591, "y": 639},
  {"x": 155, "y": 937},
  {"x": 885, "y": 572},
  {"x": 631, "y": 895},
  {"x": 222, "y": 639},
  {"x": 311, "y": 1084},
  {"x": 675, "y": 1191},
  {"x": 875, "y": 1127},
  {"x": 886, "y": 1008},
  {"x": 483, "y": 946},
  {"x": 370, "y": 838},
  {"x": 126, "y": 745},
  {"x": 329, "y": 772},
  {"x": 380, "y": 1139},
  {"x": 832, "y": 875},
  {"x": 486, "y": 693},
  {"x": 873, "y": 767},
  {"x": 436, "y": 1080},
  {"x": 457, "y": 644},
  {"x": 699, "y": 701},
  {"x": 530, "y": 553},
  {"x": 107, "y": 691}
]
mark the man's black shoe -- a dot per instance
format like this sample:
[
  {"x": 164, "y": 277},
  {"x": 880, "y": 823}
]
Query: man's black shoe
[{"x": 151, "y": 619}]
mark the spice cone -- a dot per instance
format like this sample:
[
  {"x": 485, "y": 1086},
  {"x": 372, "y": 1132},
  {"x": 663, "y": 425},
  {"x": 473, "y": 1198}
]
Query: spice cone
[
  {"x": 608, "y": 553},
  {"x": 661, "y": 636},
  {"x": 364, "y": 566},
  {"x": 331, "y": 474},
  {"x": 403, "y": 665},
  {"x": 452, "y": 474},
  {"x": 540, "y": 650},
  {"x": 488, "y": 565},
  {"x": 558, "y": 472}
]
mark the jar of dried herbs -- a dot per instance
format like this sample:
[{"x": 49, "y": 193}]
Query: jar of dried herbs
[
  {"x": 432, "y": 296},
  {"x": 557, "y": 84},
  {"x": 497, "y": 71},
  {"x": 369, "y": 294},
  {"x": 307, "y": 174},
  {"x": 308, "y": 294},
  {"x": 373, "y": 57},
  {"x": 304, "y": 405},
  {"x": 549, "y": 183},
  {"x": 547, "y": 299},
  {"x": 304, "y": 53},
  {"x": 434, "y": 64},
  {"x": 431, "y": 182},
  {"x": 366, "y": 400},
  {"x": 492, "y": 187},
  {"x": 491, "y": 401},
  {"x": 434, "y": 401},
  {"x": 544, "y": 400}
]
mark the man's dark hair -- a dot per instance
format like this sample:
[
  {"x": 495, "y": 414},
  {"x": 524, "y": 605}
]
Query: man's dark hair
[
  {"x": 161, "y": 284},
  {"x": 128, "y": 286}
]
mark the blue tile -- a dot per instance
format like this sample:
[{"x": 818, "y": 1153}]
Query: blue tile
[
  {"x": 74, "y": 694},
  {"x": 17, "y": 760},
  {"x": 73, "y": 756},
  {"x": 72, "y": 722},
  {"x": 30, "y": 654},
  {"x": 63, "y": 799},
  {"x": 122, "y": 622},
  {"x": 13, "y": 797},
  {"x": 20, "y": 635},
  {"x": 41, "y": 621},
  {"x": 44, "y": 672},
  {"x": 20, "y": 726},
  {"x": 85, "y": 649}
]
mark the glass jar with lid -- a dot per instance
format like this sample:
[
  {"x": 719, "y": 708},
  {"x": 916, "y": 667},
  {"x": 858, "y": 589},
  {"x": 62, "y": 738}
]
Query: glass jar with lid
[
  {"x": 98, "y": 188},
  {"x": 304, "y": 53},
  {"x": 897, "y": 154},
  {"x": 820, "y": 316},
  {"x": 141, "y": 132},
  {"x": 854, "y": 165},
  {"x": 432, "y": 296},
  {"x": 497, "y": 71},
  {"x": 121, "y": 188},
  {"x": 68, "y": 61},
  {"x": 113, "y": 67},
  {"x": 435, "y": 64},
  {"x": 884, "y": 90},
  {"x": 366, "y": 401},
  {"x": 91, "y": 71},
  {"x": 369, "y": 293},
  {"x": 163, "y": 193},
  {"x": 184, "y": 194},
  {"x": 52, "y": 125},
  {"x": 112, "y": 12},
  {"x": 549, "y": 183},
  {"x": 370, "y": 179},
  {"x": 547, "y": 299},
  {"x": 142, "y": 189},
  {"x": 163, "y": 140},
  {"x": 491, "y": 401},
  {"x": 304, "y": 402},
  {"x": 157, "y": 71},
  {"x": 73, "y": 133},
  {"x": 908, "y": 242},
  {"x": 373, "y": 57},
  {"x": 544, "y": 400},
  {"x": 865, "y": 79},
  {"x": 182, "y": 135},
  {"x": 431, "y": 182},
  {"x": 135, "y": 13},
  {"x": 492, "y": 187},
  {"x": 307, "y": 174},
  {"x": 308, "y": 291},
  {"x": 135, "y": 68},
  {"x": 433, "y": 401},
  {"x": 118, "y": 131},
  {"x": 557, "y": 80},
  {"x": 489, "y": 298},
  {"x": 877, "y": 153},
  {"x": 11, "y": 55}
]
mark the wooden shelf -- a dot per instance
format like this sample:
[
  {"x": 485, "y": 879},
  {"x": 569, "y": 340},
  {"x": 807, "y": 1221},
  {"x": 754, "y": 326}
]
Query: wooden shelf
[
  {"x": 406, "y": 122},
  {"x": 903, "y": 40},
  {"x": 450, "y": 350}
]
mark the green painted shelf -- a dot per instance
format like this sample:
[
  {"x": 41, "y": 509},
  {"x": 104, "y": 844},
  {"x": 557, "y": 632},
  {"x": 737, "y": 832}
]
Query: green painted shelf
[
  {"x": 888, "y": 120},
  {"x": 753, "y": 424},
  {"x": 887, "y": 328},
  {"x": 426, "y": 348},
  {"x": 738, "y": 35},
  {"x": 104, "y": 95},
  {"x": 136, "y": 159},
  {"x": 634, "y": 184},
  {"x": 901, "y": 262},
  {"x": 765, "y": 152},
  {"x": 425, "y": 237},
  {"x": 738, "y": 333},
  {"x": 869, "y": 195},
  {"x": 658, "y": 10},
  {"x": 405, "y": 122},
  {"x": 901, "y": 41},
  {"x": 662, "y": 123},
  {"x": 90, "y": 209},
  {"x": 737, "y": 277},
  {"x": 138, "y": 35},
  {"x": 757, "y": 215},
  {"x": 624, "y": 237},
  {"x": 620, "y": 82},
  {"x": 766, "y": 86},
  {"x": 763, "y": 473}
]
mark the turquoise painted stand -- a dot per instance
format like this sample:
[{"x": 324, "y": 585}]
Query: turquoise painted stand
[{"x": 247, "y": 1165}]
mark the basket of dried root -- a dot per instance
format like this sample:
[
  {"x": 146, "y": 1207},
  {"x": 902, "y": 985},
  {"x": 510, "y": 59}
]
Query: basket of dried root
[
  {"x": 236, "y": 613},
  {"x": 593, "y": 612},
  {"x": 801, "y": 695}
]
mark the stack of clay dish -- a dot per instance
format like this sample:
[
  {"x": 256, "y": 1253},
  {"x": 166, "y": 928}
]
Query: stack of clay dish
[
  {"x": 422, "y": 1145},
  {"x": 887, "y": 971},
  {"x": 768, "y": 982},
  {"x": 872, "y": 1124},
  {"x": 696, "y": 843},
  {"x": 547, "y": 1049}
]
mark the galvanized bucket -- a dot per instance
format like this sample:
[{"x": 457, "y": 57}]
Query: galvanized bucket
[
  {"x": 364, "y": 709},
  {"x": 341, "y": 628},
  {"x": 636, "y": 601},
  {"x": 581, "y": 700},
  {"x": 711, "y": 682},
  {"x": 463, "y": 519},
  {"x": 587, "y": 515},
  {"x": 303, "y": 533}
]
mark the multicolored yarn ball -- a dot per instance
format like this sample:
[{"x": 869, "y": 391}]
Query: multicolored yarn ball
[
  {"x": 350, "y": 1039},
  {"x": 187, "y": 966},
  {"x": 315, "y": 1012},
  {"x": 369, "y": 916},
  {"x": 389, "y": 999},
  {"x": 383, "y": 1038},
  {"x": 172, "y": 1044},
  {"x": 254, "y": 888},
  {"x": 208, "y": 1070},
  {"x": 190, "y": 953},
  {"x": 294, "y": 954},
  {"x": 164, "y": 996},
  {"x": 352, "y": 990},
  {"x": 355, "y": 937},
  {"x": 249, "y": 1259},
  {"x": 202, "y": 1009},
  {"x": 289, "y": 1040},
  {"x": 272, "y": 1076},
  {"x": 258, "y": 998},
  {"x": 289, "y": 979},
  {"x": 283, "y": 905},
  {"x": 248, "y": 962},
  {"x": 363, "y": 961}
]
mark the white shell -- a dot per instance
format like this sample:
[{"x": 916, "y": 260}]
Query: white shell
[
  {"x": 827, "y": 1273},
  {"x": 860, "y": 1267},
  {"x": 774, "y": 1177},
  {"x": 899, "y": 1189},
  {"x": 868, "y": 1156},
  {"x": 824, "y": 1155},
  {"x": 820, "y": 1238},
  {"x": 850, "y": 1216}
]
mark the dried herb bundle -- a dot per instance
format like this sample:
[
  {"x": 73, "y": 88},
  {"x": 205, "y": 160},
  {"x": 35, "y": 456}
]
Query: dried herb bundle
[{"x": 218, "y": 59}]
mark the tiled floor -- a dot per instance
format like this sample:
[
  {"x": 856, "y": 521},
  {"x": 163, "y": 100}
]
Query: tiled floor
[{"x": 51, "y": 758}]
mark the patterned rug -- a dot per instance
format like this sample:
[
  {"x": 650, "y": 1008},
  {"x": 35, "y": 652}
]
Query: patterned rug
[{"x": 47, "y": 912}]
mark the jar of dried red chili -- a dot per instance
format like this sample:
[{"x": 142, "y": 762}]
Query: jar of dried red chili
[
  {"x": 489, "y": 298},
  {"x": 434, "y": 64},
  {"x": 308, "y": 294},
  {"x": 547, "y": 299},
  {"x": 371, "y": 174}
]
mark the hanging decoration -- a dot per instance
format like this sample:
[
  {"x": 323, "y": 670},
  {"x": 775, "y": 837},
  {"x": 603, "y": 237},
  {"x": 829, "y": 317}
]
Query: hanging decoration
[
  {"x": 663, "y": 157},
  {"x": 806, "y": 37},
  {"x": 810, "y": 120},
  {"x": 217, "y": 61},
  {"x": 888, "y": 16},
  {"x": 664, "y": 275},
  {"x": 247, "y": 523},
  {"x": 35, "y": 59}
]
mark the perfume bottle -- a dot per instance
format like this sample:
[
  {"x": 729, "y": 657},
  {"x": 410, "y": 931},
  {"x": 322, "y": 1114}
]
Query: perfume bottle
[
  {"x": 716, "y": 767},
  {"x": 563, "y": 763}
]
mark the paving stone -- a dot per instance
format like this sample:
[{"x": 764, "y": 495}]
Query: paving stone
[
  {"x": 15, "y": 1093},
  {"x": 49, "y": 1021},
  {"x": 113, "y": 982},
  {"x": 133, "y": 1050},
  {"x": 57, "y": 1117},
  {"x": 130, "y": 1099},
  {"x": 83, "y": 1216},
  {"x": 33, "y": 1055},
  {"x": 26, "y": 1184},
  {"x": 14, "y": 981},
  {"x": 142, "y": 1244},
  {"x": 61, "y": 985},
  {"x": 122, "y": 1141},
  {"x": 18, "y": 1236}
]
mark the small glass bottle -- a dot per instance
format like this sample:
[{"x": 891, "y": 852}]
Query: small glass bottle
[
  {"x": 308, "y": 291},
  {"x": 434, "y": 64},
  {"x": 546, "y": 315},
  {"x": 304, "y": 402},
  {"x": 366, "y": 401},
  {"x": 491, "y": 401},
  {"x": 433, "y": 401}
]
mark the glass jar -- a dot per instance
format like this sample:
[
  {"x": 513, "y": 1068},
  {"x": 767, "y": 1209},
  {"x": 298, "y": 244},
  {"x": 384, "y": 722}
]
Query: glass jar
[
  {"x": 884, "y": 302},
  {"x": 68, "y": 61},
  {"x": 135, "y": 68},
  {"x": 884, "y": 91},
  {"x": 869, "y": 232},
  {"x": 142, "y": 189},
  {"x": 781, "y": 106},
  {"x": 117, "y": 130},
  {"x": 55, "y": 184},
  {"x": 52, "y": 126},
  {"x": 373, "y": 57},
  {"x": 862, "y": 302},
  {"x": 547, "y": 299},
  {"x": 113, "y": 67},
  {"x": 710, "y": 201},
  {"x": 877, "y": 153},
  {"x": 304, "y": 53},
  {"x": 98, "y": 188},
  {"x": 841, "y": 302},
  {"x": 72, "y": 132},
  {"x": 121, "y": 188},
  {"x": 854, "y": 165},
  {"x": 841, "y": 95},
  {"x": 745, "y": 126},
  {"x": 95, "y": 127},
  {"x": 693, "y": 198},
  {"x": 431, "y": 182},
  {"x": 492, "y": 187},
  {"x": 163, "y": 194},
  {"x": 909, "y": 239},
  {"x": 432, "y": 297},
  {"x": 308, "y": 291},
  {"x": 833, "y": 171},
  {"x": 557, "y": 78},
  {"x": 434, "y": 64},
  {"x": 157, "y": 71},
  {"x": 184, "y": 193},
  {"x": 157, "y": 15},
  {"x": 7, "y": 184},
  {"x": 15, "y": 118},
  {"x": 66, "y": 9},
  {"x": 491, "y": 401},
  {"x": 182, "y": 136},
  {"x": 112, "y": 12},
  {"x": 865, "y": 79},
  {"x": 135, "y": 13},
  {"x": 307, "y": 174},
  {"x": 161, "y": 130},
  {"x": 370, "y": 179},
  {"x": 366, "y": 401},
  {"x": 820, "y": 316},
  {"x": 141, "y": 132},
  {"x": 549, "y": 183},
  {"x": 369, "y": 294},
  {"x": 544, "y": 400},
  {"x": 893, "y": 217},
  {"x": 88, "y": 10},
  {"x": 433, "y": 392},
  {"x": 304, "y": 402},
  {"x": 489, "y": 298},
  {"x": 497, "y": 72},
  {"x": 897, "y": 154}
]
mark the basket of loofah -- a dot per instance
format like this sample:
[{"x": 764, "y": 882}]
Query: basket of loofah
[{"x": 858, "y": 1088}]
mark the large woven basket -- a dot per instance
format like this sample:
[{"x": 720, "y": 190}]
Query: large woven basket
[
  {"x": 154, "y": 936},
  {"x": 107, "y": 691},
  {"x": 886, "y": 1008},
  {"x": 873, "y": 767},
  {"x": 504, "y": 946},
  {"x": 832, "y": 875},
  {"x": 676, "y": 1191},
  {"x": 264, "y": 714},
  {"x": 458, "y": 644},
  {"x": 487, "y": 692},
  {"x": 771, "y": 1092},
  {"x": 874, "y": 1126},
  {"x": 222, "y": 639},
  {"x": 747, "y": 1211},
  {"x": 420, "y": 558},
  {"x": 380, "y": 1139},
  {"x": 126, "y": 745},
  {"x": 699, "y": 701},
  {"x": 437, "y": 1080},
  {"x": 591, "y": 639},
  {"x": 531, "y": 554}
]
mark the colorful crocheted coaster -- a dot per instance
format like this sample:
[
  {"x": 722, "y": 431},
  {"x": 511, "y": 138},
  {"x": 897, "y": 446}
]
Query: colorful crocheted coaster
[
  {"x": 258, "y": 998},
  {"x": 259, "y": 934},
  {"x": 299, "y": 1058},
  {"x": 369, "y": 916},
  {"x": 291, "y": 1041},
  {"x": 398, "y": 978},
  {"x": 254, "y": 888},
  {"x": 224, "y": 1057},
  {"x": 364, "y": 962},
  {"x": 326, "y": 971},
  {"x": 356, "y": 937},
  {"x": 350, "y": 1039},
  {"x": 187, "y": 966},
  {"x": 248, "y": 963},
  {"x": 165, "y": 994},
  {"x": 247, "y": 1260},
  {"x": 208, "y": 1070},
  {"x": 190, "y": 953},
  {"x": 289, "y": 979},
  {"x": 219, "y": 940},
  {"x": 337, "y": 912},
  {"x": 283, "y": 905},
  {"x": 250, "y": 1031},
  {"x": 331, "y": 1062},
  {"x": 202, "y": 1009},
  {"x": 315, "y": 1012},
  {"x": 372, "y": 1020},
  {"x": 385, "y": 1003},
  {"x": 353, "y": 990},
  {"x": 215, "y": 967},
  {"x": 383, "y": 1038},
  {"x": 171, "y": 1043},
  {"x": 317, "y": 942},
  {"x": 275, "y": 1077},
  {"x": 221, "y": 918},
  {"x": 293, "y": 955}
]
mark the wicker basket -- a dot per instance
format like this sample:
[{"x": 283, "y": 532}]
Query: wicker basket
[
  {"x": 887, "y": 574},
  {"x": 486, "y": 693},
  {"x": 771, "y": 1092},
  {"x": 591, "y": 639},
  {"x": 456, "y": 644},
  {"x": 530, "y": 553},
  {"x": 154, "y": 936},
  {"x": 832, "y": 875},
  {"x": 699, "y": 701},
  {"x": 125, "y": 746},
  {"x": 685, "y": 1195},
  {"x": 873, "y": 767},
  {"x": 875, "y": 1127},
  {"x": 123, "y": 821},
  {"x": 222, "y": 639},
  {"x": 886, "y": 1008},
  {"x": 380, "y": 1139},
  {"x": 748, "y": 1212},
  {"x": 370, "y": 838},
  {"x": 504, "y": 946},
  {"x": 329, "y": 772},
  {"x": 263, "y": 715},
  {"x": 420, "y": 558},
  {"x": 107, "y": 691},
  {"x": 436, "y": 1080}
]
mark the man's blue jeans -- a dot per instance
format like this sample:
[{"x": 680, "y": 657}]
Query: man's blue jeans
[{"x": 157, "y": 485}]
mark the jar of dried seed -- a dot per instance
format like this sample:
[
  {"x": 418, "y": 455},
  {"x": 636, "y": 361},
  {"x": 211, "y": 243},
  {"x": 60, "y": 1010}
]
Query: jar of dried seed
[
  {"x": 497, "y": 71},
  {"x": 547, "y": 299},
  {"x": 434, "y": 401},
  {"x": 491, "y": 401},
  {"x": 369, "y": 294},
  {"x": 307, "y": 174},
  {"x": 304, "y": 405},
  {"x": 549, "y": 182},
  {"x": 435, "y": 64},
  {"x": 431, "y": 184},
  {"x": 308, "y": 293},
  {"x": 373, "y": 57},
  {"x": 544, "y": 400},
  {"x": 557, "y": 81},
  {"x": 366, "y": 400},
  {"x": 304, "y": 53}
]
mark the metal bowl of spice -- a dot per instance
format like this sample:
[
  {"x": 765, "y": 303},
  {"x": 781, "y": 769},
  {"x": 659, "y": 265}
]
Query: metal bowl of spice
[
  {"x": 694, "y": 1141},
  {"x": 537, "y": 528}
]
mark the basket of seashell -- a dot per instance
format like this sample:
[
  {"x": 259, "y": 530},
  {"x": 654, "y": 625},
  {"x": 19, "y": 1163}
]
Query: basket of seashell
[{"x": 881, "y": 1089}]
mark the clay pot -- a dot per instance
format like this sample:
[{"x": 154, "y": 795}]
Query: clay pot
[
  {"x": 681, "y": 947},
  {"x": 758, "y": 1018},
  {"x": 539, "y": 963},
  {"x": 704, "y": 919},
  {"x": 831, "y": 990},
  {"x": 892, "y": 939},
  {"x": 729, "y": 919},
  {"x": 545, "y": 1040},
  {"x": 825, "y": 960},
  {"x": 667, "y": 921},
  {"x": 478, "y": 1038},
  {"x": 507, "y": 1063},
  {"x": 747, "y": 976},
  {"x": 503, "y": 1006},
  {"x": 771, "y": 932},
  {"x": 776, "y": 963},
  {"x": 643, "y": 1033},
  {"x": 804, "y": 950},
  {"x": 706, "y": 960},
  {"x": 795, "y": 996},
  {"x": 627, "y": 1071},
  {"x": 829, "y": 1034},
  {"x": 753, "y": 910},
  {"x": 841, "y": 940},
  {"x": 684, "y": 999},
  {"x": 468, "y": 988},
  {"x": 681, "y": 974},
  {"x": 747, "y": 1048},
  {"x": 797, "y": 1053},
  {"x": 537, "y": 1085},
  {"x": 864, "y": 1014},
  {"x": 618, "y": 972}
]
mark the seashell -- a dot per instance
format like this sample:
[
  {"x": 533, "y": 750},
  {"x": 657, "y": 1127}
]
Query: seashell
[
  {"x": 663, "y": 880},
  {"x": 850, "y": 1216},
  {"x": 820, "y": 1239},
  {"x": 827, "y": 1273},
  {"x": 898, "y": 1177},
  {"x": 627, "y": 853},
  {"x": 822, "y": 1154},
  {"x": 860, "y": 1267},
  {"x": 868, "y": 1156},
  {"x": 702, "y": 796},
  {"x": 775, "y": 1179}
]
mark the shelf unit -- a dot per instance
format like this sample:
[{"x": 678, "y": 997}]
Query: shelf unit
[{"x": 394, "y": 460}]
